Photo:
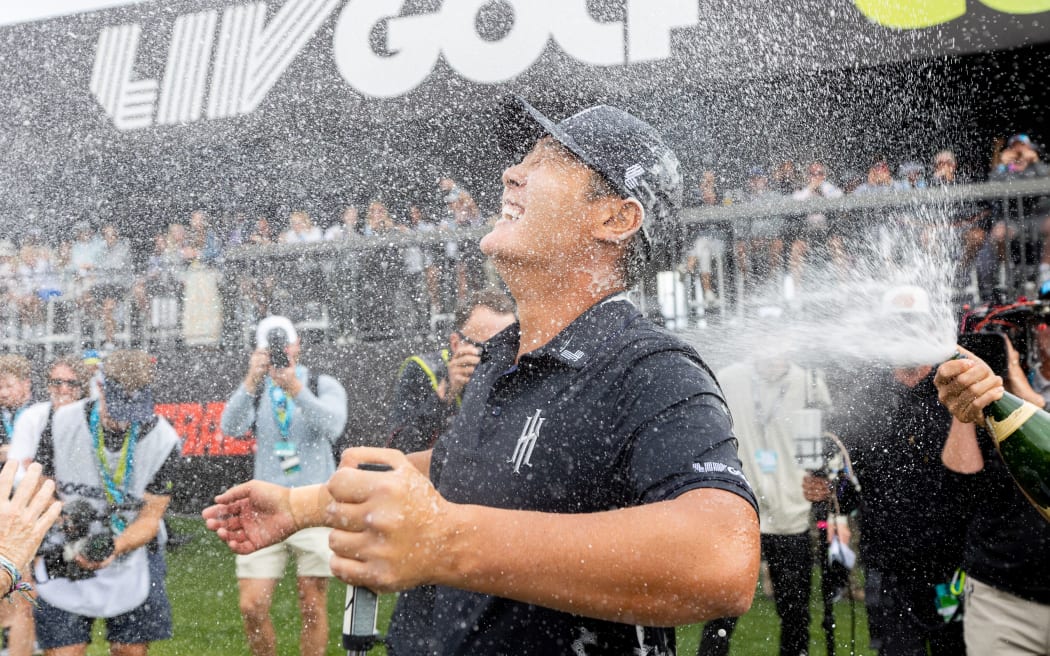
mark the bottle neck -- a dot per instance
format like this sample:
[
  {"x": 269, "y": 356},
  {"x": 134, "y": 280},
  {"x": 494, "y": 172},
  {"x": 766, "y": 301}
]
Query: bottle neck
[{"x": 1007, "y": 415}]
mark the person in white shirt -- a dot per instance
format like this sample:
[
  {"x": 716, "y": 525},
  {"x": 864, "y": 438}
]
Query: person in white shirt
[
  {"x": 346, "y": 228},
  {"x": 814, "y": 232},
  {"x": 67, "y": 382},
  {"x": 301, "y": 229}
]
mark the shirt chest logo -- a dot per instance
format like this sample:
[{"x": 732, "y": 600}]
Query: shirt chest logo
[{"x": 527, "y": 442}]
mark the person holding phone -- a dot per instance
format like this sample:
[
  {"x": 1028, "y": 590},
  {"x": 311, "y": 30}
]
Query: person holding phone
[{"x": 295, "y": 416}]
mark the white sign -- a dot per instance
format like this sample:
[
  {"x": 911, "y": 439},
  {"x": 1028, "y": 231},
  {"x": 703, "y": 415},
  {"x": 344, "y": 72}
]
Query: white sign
[
  {"x": 13, "y": 12},
  {"x": 243, "y": 56}
]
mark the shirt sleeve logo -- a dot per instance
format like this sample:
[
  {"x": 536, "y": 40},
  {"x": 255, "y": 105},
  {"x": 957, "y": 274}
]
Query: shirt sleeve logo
[
  {"x": 527, "y": 442},
  {"x": 717, "y": 467}
]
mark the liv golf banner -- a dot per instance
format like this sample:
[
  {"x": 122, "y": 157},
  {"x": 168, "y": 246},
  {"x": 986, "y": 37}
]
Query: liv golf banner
[{"x": 129, "y": 108}]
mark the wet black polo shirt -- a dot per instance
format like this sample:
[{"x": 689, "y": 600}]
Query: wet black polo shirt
[{"x": 612, "y": 413}]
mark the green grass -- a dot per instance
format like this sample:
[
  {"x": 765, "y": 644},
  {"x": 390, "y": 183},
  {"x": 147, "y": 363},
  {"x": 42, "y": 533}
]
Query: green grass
[{"x": 203, "y": 591}]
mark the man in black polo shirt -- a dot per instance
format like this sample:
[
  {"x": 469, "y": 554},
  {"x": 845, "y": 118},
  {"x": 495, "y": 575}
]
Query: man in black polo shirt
[
  {"x": 588, "y": 496},
  {"x": 913, "y": 510}
]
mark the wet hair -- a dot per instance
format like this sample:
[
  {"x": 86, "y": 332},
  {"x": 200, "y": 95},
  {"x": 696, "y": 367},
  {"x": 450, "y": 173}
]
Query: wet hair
[
  {"x": 492, "y": 299},
  {"x": 598, "y": 187},
  {"x": 131, "y": 369},
  {"x": 12, "y": 364}
]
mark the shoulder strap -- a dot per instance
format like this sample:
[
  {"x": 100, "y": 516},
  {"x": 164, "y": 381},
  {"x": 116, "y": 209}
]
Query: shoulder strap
[
  {"x": 47, "y": 445},
  {"x": 421, "y": 363}
]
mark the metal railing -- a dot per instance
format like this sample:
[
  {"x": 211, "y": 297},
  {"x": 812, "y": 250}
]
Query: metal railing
[
  {"x": 1009, "y": 202},
  {"x": 365, "y": 288}
]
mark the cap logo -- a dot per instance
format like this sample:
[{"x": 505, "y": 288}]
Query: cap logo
[{"x": 632, "y": 174}]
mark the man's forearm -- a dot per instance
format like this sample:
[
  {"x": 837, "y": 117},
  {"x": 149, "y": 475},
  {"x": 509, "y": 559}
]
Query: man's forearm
[
  {"x": 665, "y": 564},
  {"x": 144, "y": 528},
  {"x": 961, "y": 453}
]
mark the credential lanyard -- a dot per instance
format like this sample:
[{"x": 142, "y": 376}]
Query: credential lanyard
[
  {"x": 281, "y": 405},
  {"x": 114, "y": 483},
  {"x": 765, "y": 413},
  {"x": 9, "y": 422}
]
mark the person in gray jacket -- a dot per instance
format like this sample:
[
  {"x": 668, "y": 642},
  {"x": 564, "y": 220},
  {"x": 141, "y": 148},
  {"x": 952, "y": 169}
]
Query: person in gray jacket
[{"x": 295, "y": 416}]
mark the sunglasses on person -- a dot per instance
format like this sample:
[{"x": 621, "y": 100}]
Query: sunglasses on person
[{"x": 59, "y": 382}]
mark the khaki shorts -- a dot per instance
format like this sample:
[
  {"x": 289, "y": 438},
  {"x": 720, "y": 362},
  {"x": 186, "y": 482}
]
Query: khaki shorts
[
  {"x": 998, "y": 623},
  {"x": 310, "y": 547}
]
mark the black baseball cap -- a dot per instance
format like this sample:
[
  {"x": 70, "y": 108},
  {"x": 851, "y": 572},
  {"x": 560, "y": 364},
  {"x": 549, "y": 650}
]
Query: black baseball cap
[{"x": 625, "y": 150}]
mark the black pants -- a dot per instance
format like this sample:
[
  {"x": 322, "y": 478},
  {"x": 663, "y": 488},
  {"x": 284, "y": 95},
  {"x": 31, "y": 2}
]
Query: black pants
[
  {"x": 790, "y": 561},
  {"x": 902, "y": 617}
]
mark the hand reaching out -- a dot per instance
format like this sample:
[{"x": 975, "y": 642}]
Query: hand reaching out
[
  {"x": 251, "y": 516},
  {"x": 27, "y": 514}
]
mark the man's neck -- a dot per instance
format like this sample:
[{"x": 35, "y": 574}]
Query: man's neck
[{"x": 547, "y": 304}]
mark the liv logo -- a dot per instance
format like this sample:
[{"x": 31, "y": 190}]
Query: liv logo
[
  {"x": 246, "y": 56},
  {"x": 527, "y": 442}
]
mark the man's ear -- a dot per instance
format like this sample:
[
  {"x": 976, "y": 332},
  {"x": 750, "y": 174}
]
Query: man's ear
[{"x": 621, "y": 219}]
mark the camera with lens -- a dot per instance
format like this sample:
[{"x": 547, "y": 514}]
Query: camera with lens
[
  {"x": 82, "y": 533},
  {"x": 278, "y": 341},
  {"x": 1024, "y": 322}
]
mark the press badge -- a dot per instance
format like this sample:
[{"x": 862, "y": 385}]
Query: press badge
[
  {"x": 286, "y": 451},
  {"x": 766, "y": 459}
]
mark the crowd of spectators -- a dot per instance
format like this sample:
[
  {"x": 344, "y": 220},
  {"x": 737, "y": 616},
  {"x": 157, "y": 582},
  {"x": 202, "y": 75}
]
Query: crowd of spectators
[
  {"x": 185, "y": 288},
  {"x": 186, "y": 285},
  {"x": 780, "y": 250}
]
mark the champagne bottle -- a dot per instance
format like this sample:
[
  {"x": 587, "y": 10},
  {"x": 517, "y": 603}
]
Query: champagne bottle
[{"x": 1021, "y": 431}]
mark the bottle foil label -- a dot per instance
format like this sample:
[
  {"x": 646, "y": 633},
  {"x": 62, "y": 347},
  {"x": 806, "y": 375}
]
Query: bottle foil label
[{"x": 1003, "y": 429}]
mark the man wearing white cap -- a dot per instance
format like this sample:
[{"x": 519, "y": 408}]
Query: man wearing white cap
[{"x": 295, "y": 416}]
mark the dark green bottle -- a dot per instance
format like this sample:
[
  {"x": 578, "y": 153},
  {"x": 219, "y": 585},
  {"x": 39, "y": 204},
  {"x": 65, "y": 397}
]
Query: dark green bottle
[{"x": 1021, "y": 431}]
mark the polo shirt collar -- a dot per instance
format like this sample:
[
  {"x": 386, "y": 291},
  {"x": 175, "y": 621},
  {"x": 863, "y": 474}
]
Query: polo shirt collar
[{"x": 578, "y": 342}]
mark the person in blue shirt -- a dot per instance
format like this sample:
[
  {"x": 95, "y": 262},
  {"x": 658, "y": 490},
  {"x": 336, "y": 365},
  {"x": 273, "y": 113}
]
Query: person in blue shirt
[{"x": 296, "y": 417}]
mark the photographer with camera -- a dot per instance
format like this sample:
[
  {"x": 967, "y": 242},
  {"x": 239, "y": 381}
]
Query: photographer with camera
[
  {"x": 913, "y": 509},
  {"x": 67, "y": 382},
  {"x": 114, "y": 464},
  {"x": 765, "y": 395},
  {"x": 296, "y": 416},
  {"x": 429, "y": 388}
]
